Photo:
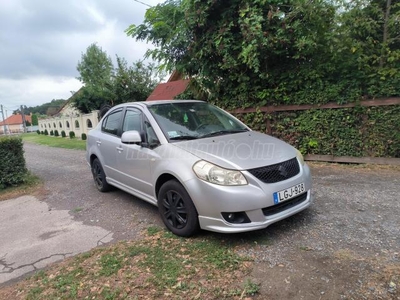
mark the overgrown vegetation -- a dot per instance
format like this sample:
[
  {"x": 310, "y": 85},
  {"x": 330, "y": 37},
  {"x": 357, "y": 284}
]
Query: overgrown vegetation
[
  {"x": 359, "y": 131},
  {"x": 159, "y": 266},
  {"x": 252, "y": 54},
  {"x": 242, "y": 54},
  {"x": 13, "y": 169}
]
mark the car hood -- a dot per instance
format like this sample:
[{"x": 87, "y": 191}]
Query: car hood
[{"x": 240, "y": 151}]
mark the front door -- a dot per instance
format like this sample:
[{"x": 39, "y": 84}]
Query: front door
[{"x": 135, "y": 161}]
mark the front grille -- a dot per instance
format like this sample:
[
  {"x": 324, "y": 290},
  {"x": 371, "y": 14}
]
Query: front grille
[
  {"x": 277, "y": 172},
  {"x": 271, "y": 210}
]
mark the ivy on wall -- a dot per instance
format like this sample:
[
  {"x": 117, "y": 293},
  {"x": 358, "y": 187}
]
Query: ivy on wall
[{"x": 358, "y": 131}]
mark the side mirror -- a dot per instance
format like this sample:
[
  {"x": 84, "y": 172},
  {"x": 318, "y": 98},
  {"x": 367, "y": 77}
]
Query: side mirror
[{"x": 131, "y": 137}]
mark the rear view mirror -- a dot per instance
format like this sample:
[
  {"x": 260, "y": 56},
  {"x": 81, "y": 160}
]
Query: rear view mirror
[{"x": 131, "y": 137}]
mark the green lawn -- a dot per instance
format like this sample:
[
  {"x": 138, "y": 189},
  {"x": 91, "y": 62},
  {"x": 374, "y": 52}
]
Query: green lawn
[{"x": 53, "y": 141}]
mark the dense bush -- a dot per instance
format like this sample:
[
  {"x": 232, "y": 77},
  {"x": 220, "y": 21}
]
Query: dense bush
[
  {"x": 358, "y": 131},
  {"x": 83, "y": 136},
  {"x": 51, "y": 132},
  {"x": 63, "y": 134},
  {"x": 38, "y": 131},
  {"x": 71, "y": 134},
  {"x": 13, "y": 168},
  {"x": 42, "y": 132},
  {"x": 46, "y": 132},
  {"x": 56, "y": 133}
]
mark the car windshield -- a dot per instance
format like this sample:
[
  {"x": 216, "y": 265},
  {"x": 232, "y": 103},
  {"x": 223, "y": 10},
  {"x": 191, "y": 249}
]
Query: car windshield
[{"x": 194, "y": 120}]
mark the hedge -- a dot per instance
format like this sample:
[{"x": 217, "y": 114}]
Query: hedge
[
  {"x": 13, "y": 167},
  {"x": 358, "y": 131}
]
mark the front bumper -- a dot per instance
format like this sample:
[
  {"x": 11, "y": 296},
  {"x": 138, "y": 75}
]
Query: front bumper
[
  {"x": 211, "y": 200},
  {"x": 220, "y": 225}
]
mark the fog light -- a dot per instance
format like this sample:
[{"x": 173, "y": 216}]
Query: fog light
[{"x": 236, "y": 217}]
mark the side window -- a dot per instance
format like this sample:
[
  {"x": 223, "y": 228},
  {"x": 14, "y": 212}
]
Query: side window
[
  {"x": 132, "y": 120},
  {"x": 111, "y": 122},
  {"x": 151, "y": 135}
]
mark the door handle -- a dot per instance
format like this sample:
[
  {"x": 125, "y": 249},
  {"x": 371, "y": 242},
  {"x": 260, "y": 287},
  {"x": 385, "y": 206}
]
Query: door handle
[
  {"x": 98, "y": 143},
  {"x": 120, "y": 149}
]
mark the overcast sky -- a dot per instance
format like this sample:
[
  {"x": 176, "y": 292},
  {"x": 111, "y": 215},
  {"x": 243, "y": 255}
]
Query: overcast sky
[{"x": 41, "y": 42}]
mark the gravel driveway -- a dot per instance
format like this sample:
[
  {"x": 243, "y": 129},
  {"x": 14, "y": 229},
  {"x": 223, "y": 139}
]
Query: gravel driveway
[
  {"x": 70, "y": 186},
  {"x": 346, "y": 246}
]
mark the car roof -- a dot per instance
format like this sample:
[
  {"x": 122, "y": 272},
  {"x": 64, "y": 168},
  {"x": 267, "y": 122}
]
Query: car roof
[{"x": 156, "y": 102}]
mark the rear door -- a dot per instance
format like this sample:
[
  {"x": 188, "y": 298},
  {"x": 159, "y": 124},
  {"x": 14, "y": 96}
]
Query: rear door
[{"x": 108, "y": 141}]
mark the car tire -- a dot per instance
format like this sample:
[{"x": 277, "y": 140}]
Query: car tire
[
  {"x": 99, "y": 176},
  {"x": 177, "y": 209}
]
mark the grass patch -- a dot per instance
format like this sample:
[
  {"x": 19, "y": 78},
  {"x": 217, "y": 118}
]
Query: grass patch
[
  {"x": 31, "y": 184},
  {"x": 77, "y": 209},
  {"x": 159, "y": 266},
  {"x": 53, "y": 141}
]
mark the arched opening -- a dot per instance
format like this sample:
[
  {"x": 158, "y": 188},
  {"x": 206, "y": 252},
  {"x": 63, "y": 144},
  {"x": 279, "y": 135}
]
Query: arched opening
[
  {"x": 60, "y": 125},
  {"x": 89, "y": 123},
  {"x": 54, "y": 124},
  {"x": 76, "y": 124},
  {"x": 67, "y": 124}
]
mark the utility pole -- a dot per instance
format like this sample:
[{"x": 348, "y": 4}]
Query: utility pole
[
  {"x": 4, "y": 120},
  {"x": 23, "y": 118}
]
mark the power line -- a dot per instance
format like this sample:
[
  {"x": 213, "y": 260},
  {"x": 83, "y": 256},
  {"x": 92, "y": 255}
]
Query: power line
[{"x": 142, "y": 3}]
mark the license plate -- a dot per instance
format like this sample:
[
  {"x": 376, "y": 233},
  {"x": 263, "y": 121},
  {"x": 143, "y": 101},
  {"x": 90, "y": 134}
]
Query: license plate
[{"x": 289, "y": 193}]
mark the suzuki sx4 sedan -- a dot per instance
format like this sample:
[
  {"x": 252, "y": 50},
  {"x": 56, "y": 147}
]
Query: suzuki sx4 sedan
[{"x": 199, "y": 165}]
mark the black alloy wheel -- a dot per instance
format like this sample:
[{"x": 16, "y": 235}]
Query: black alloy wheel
[
  {"x": 177, "y": 209},
  {"x": 99, "y": 176}
]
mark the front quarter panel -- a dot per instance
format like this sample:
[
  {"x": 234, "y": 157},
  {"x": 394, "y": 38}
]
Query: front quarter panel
[{"x": 175, "y": 161}]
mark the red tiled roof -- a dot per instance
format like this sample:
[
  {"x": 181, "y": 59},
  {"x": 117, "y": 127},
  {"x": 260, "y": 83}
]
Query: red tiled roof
[
  {"x": 168, "y": 90},
  {"x": 15, "y": 120}
]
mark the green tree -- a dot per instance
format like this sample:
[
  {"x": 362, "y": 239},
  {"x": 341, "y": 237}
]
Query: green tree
[
  {"x": 165, "y": 27},
  {"x": 242, "y": 53},
  {"x": 96, "y": 73},
  {"x": 35, "y": 120},
  {"x": 105, "y": 85},
  {"x": 370, "y": 39},
  {"x": 96, "y": 67},
  {"x": 51, "y": 107},
  {"x": 134, "y": 83},
  {"x": 235, "y": 50}
]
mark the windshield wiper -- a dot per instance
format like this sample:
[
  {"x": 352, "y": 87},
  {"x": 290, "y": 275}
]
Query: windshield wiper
[
  {"x": 222, "y": 132},
  {"x": 183, "y": 137}
]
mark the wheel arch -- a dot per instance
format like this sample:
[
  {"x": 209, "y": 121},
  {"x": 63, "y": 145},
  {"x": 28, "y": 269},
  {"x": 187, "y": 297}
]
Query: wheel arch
[
  {"x": 92, "y": 158},
  {"x": 163, "y": 178}
]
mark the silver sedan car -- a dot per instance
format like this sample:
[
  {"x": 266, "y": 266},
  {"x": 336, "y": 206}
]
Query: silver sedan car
[{"x": 201, "y": 166}]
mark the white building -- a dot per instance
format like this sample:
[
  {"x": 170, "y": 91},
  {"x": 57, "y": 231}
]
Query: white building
[{"x": 70, "y": 119}]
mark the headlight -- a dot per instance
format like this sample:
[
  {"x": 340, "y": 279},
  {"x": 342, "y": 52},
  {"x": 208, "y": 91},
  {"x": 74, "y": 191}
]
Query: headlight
[
  {"x": 300, "y": 157},
  {"x": 214, "y": 174}
]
